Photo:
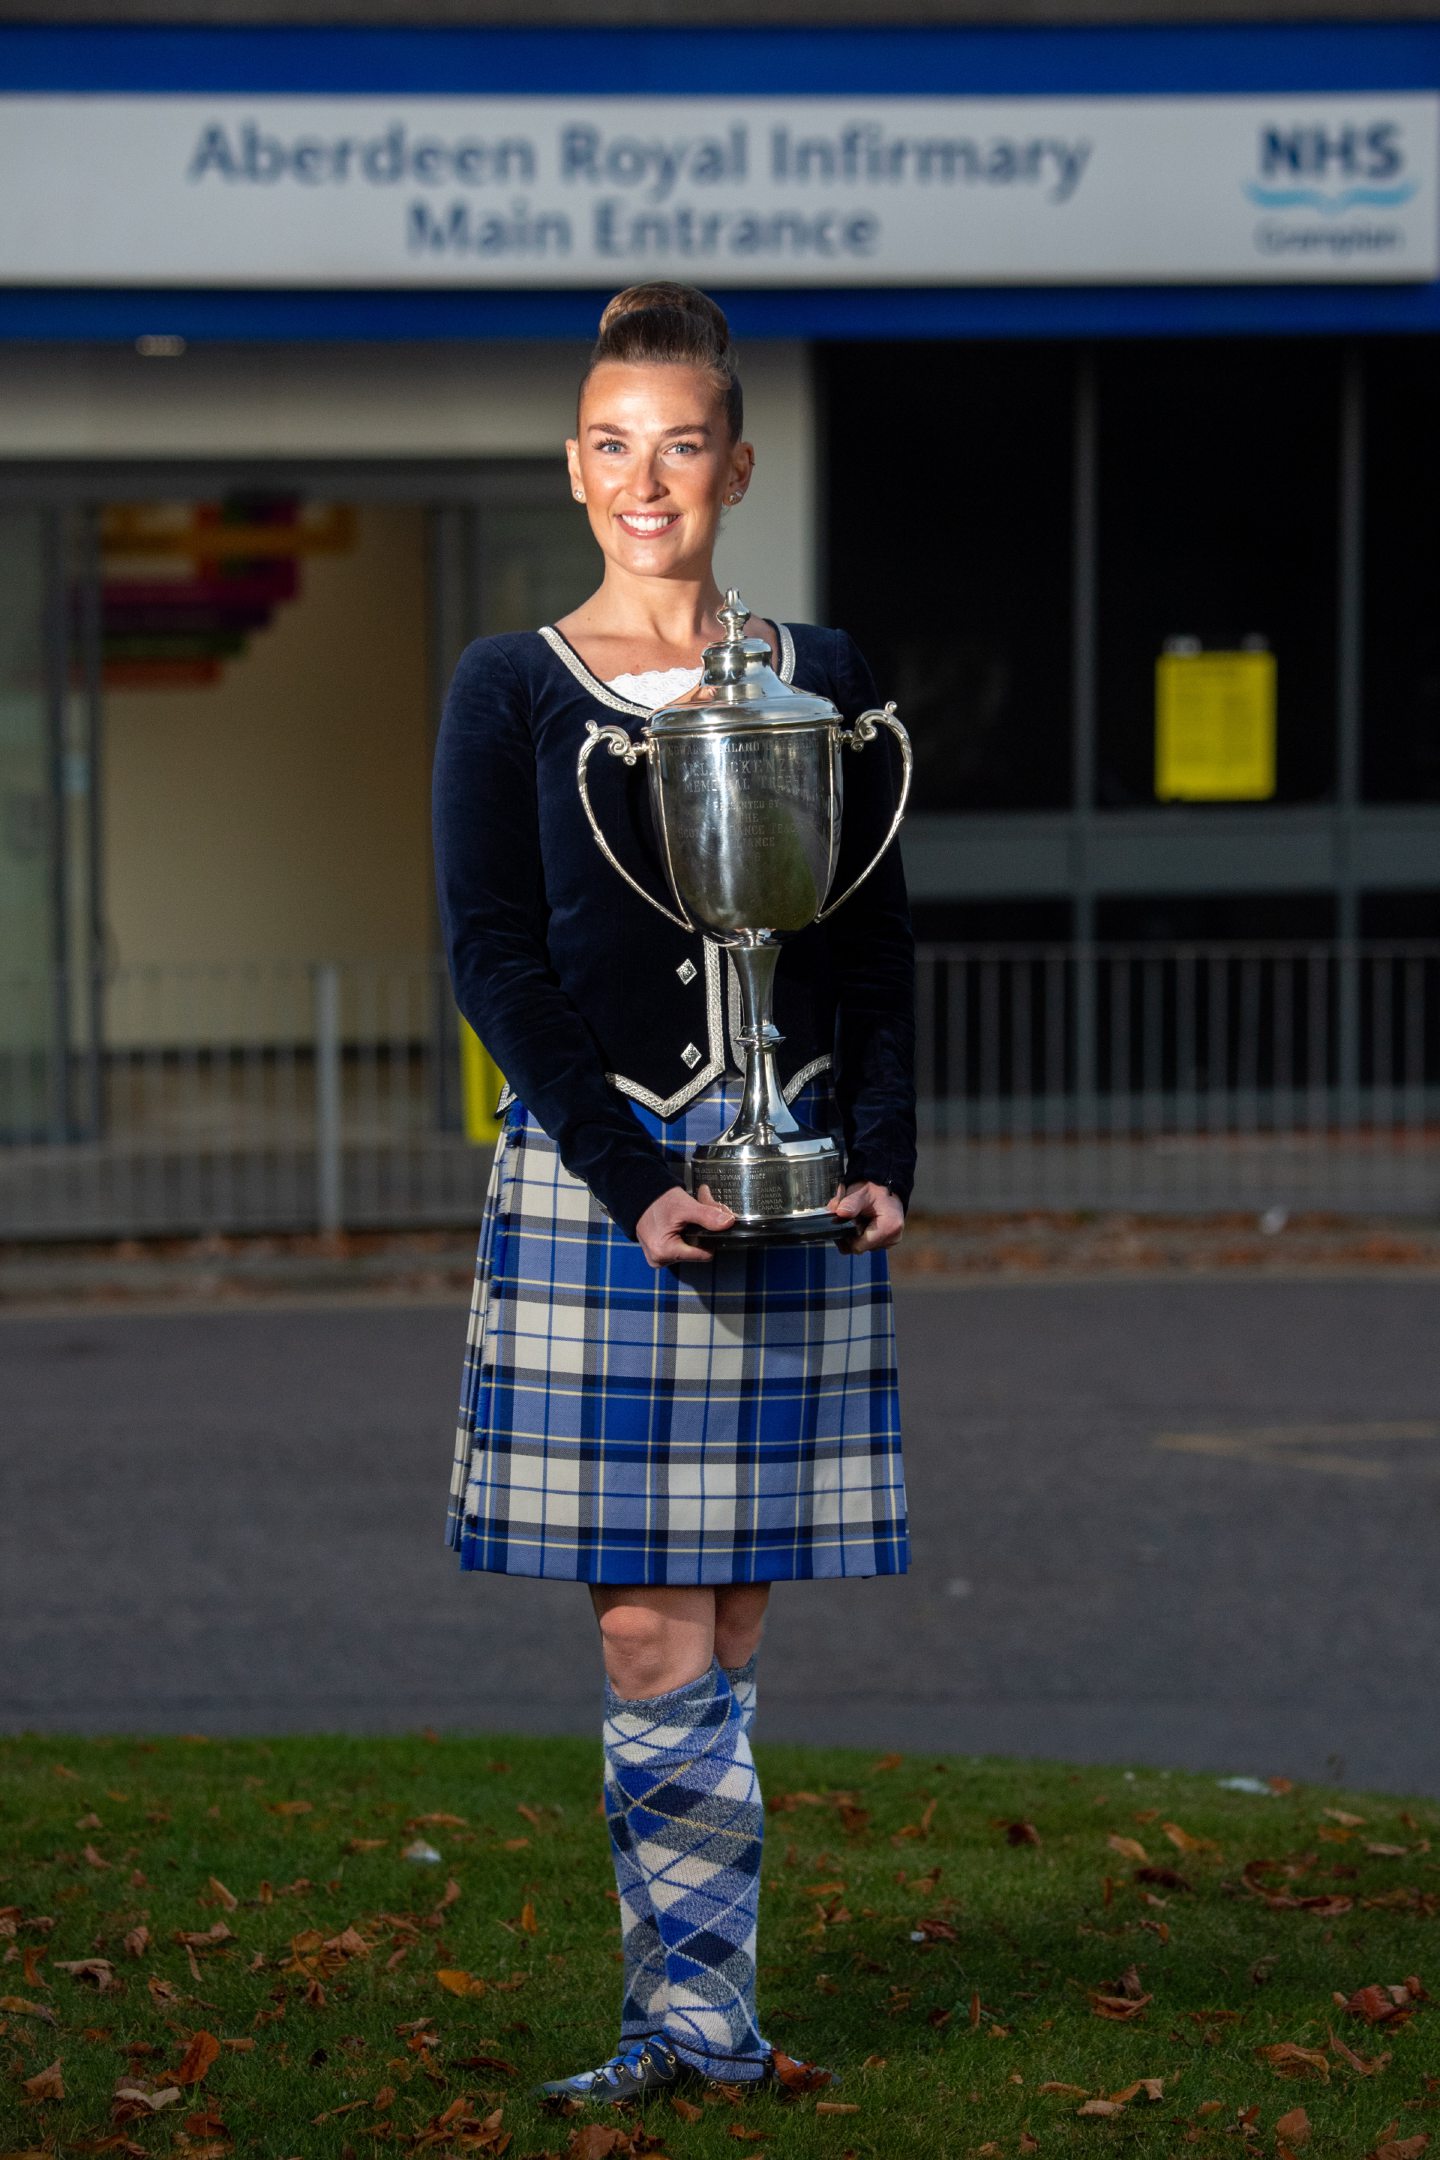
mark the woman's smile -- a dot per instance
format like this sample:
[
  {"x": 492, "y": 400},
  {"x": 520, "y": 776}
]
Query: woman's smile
[{"x": 646, "y": 524}]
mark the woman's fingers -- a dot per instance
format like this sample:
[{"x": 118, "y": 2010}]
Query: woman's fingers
[
  {"x": 662, "y": 1229},
  {"x": 877, "y": 1215}
]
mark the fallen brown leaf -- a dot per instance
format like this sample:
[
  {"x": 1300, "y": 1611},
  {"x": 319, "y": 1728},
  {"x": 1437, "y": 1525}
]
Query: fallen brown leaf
[
  {"x": 1288, "y": 2060},
  {"x": 134, "y": 2101},
  {"x": 594, "y": 2141},
  {"x": 92, "y": 1858},
  {"x": 837, "y": 2107},
  {"x": 1163, "y": 1878},
  {"x": 457, "y": 1982},
  {"x": 137, "y": 1942},
  {"x": 1401, "y": 2148},
  {"x": 17, "y": 2006},
  {"x": 1376, "y": 2005},
  {"x": 685, "y": 2109},
  {"x": 209, "y": 1938},
  {"x": 1072, "y": 2092},
  {"x": 1294, "y": 2128},
  {"x": 226, "y": 1897},
  {"x": 1185, "y": 1842},
  {"x": 96, "y": 1972},
  {"x": 203, "y": 2050},
  {"x": 1100, "y": 2107},
  {"x": 47, "y": 2084},
  {"x": 1118, "y": 2007},
  {"x": 1152, "y": 2087},
  {"x": 1356, "y": 2062},
  {"x": 1129, "y": 1848},
  {"x": 1021, "y": 1833},
  {"x": 799, "y": 2077}
]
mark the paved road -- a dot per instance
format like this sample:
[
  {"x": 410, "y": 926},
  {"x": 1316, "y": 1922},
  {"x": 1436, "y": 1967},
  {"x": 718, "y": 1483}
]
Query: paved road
[{"x": 1161, "y": 1521}]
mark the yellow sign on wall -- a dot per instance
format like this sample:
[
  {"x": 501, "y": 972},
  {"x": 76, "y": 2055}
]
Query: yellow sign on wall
[
  {"x": 1215, "y": 726},
  {"x": 480, "y": 1085}
]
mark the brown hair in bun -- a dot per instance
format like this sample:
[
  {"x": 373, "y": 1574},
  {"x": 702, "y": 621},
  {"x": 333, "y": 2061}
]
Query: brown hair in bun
[{"x": 672, "y": 325}]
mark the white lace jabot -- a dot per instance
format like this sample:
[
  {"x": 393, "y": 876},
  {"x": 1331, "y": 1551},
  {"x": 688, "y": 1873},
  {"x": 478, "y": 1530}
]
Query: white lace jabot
[{"x": 656, "y": 687}]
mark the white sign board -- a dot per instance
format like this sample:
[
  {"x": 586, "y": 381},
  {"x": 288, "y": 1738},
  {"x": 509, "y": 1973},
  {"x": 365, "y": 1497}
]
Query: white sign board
[{"x": 526, "y": 191}]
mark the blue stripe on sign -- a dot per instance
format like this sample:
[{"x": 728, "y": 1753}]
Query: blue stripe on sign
[
  {"x": 779, "y": 61},
  {"x": 37, "y": 314}
]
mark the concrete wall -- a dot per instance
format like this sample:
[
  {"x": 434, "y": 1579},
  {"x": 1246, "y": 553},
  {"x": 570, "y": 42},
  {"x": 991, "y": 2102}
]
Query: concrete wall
[{"x": 393, "y": 402}]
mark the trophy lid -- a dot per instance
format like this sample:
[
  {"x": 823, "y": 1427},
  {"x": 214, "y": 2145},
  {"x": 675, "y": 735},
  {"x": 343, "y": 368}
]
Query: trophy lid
[{"x": 739, "y": 687}]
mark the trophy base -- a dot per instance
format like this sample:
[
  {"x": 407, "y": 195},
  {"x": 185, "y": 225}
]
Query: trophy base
[
  {"x": 778, "y": 1192},
  {"x": 816, "y": 1227}
]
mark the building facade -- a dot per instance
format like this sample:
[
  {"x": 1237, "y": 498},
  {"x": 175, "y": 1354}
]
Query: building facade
[{"x": 1090, "y": 365}]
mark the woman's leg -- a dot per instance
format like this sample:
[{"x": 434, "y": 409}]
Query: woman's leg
[
  {"x": 644, "y": 1655},
  {"x": 739, "y": 1622},
  {"x": 685, "y": 1811}
]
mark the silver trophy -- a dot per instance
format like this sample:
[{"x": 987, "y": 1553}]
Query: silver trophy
[{"x": 746, "y": 789}]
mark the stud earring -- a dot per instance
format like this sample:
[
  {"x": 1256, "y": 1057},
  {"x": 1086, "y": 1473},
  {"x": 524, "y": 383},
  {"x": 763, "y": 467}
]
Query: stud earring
[{"x": 578, "y": 493}]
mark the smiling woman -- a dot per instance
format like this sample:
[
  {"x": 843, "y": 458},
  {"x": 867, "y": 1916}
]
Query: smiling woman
[{"x": 674, "y": 1427}]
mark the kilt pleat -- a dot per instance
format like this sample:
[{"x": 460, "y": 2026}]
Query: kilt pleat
[{"x": 737, "y": 1422}]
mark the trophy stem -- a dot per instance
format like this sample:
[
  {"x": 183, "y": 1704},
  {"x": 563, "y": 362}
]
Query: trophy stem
[
  {"x": 764, "y": 1113},
  {"x": 774, "y": 1173}
]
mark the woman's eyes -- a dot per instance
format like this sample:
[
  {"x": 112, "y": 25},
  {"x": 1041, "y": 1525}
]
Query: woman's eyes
[{"x": 691, "y": 449}]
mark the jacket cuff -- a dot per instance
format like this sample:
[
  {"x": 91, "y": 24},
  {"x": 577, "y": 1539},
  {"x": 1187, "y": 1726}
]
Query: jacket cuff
[
  {"x": 626, "y": 1191},
  {"x": 860, "y": 1167}
]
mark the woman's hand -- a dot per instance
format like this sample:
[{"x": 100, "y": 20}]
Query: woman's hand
[
  {"x": 878, "y": 1216},
  {"x": 660, "y": 1230}
]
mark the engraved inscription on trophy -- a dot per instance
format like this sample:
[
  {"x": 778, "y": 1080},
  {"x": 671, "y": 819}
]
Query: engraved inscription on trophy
[{"x": 746, "y": 789}]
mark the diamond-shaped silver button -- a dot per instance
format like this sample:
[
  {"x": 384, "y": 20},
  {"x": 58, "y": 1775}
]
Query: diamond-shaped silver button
[
  {"x": 690, "y": 1056},
  {"x": 687, "y": 971}
]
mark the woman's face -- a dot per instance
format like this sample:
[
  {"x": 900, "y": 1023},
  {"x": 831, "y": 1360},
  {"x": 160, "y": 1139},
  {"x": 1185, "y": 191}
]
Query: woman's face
[{"x": 655, "y": 466}]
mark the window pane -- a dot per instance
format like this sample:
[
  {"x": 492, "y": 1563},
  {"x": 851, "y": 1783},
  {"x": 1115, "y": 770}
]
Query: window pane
[
  {"x": 1402, "y": 572},
  {"x": 1218, "y": 506},
  {"x": 948, "y": 472}
]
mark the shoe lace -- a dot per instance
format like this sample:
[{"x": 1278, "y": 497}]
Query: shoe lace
[{"x": 626, "y": 2058}]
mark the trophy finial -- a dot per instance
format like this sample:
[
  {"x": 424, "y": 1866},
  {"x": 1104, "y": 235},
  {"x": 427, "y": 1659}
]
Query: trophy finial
[{"x": 733, "y": 617}]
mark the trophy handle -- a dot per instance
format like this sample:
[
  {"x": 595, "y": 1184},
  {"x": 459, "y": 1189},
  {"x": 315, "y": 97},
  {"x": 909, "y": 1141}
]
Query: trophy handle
[
  {"x": 620, "y": 745},
  {"x": 855, "y": 738}
]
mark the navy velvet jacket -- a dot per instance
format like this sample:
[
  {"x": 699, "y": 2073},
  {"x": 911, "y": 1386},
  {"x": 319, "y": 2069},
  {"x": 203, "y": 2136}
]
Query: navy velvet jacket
[{"x": 582, "y": 993}]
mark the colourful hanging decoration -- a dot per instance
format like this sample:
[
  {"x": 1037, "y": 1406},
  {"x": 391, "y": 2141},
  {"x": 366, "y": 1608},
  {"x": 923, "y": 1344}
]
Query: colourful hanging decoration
[{"x": 185, "y": 586}]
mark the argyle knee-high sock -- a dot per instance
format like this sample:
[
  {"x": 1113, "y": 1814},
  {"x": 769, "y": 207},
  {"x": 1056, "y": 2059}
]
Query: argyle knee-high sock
[
  {"x": 684, "y": 1781},
  {"x": 643, "y": 1992},
  {"x": 742, "y": 1687}
]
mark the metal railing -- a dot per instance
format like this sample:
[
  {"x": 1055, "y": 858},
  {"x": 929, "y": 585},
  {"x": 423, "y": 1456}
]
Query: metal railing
[
  {"x": 1158, "y": 1077},
  {"x": 1146, "y": 1077}
]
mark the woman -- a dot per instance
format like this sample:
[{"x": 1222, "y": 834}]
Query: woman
[{"x": 675, "y": 1429}]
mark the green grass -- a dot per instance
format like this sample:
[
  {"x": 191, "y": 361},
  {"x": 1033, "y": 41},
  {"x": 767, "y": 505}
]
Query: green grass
[{"x": 966, "y": 2025}]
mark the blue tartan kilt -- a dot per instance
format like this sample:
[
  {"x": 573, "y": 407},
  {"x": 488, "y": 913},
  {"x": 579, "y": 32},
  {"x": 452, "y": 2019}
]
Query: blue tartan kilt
[{"x": 730, "y": 1422}]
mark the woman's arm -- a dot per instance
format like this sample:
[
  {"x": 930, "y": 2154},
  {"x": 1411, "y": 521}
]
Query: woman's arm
[
  {"x": 490, "y": 882},
  {"x": 873, "y": 950}
]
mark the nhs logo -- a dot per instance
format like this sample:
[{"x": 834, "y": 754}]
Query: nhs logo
[{"x": 1332, "y": 169}]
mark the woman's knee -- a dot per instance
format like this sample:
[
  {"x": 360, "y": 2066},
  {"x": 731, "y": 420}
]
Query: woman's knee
[{"x": 654, "y": 1644}]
